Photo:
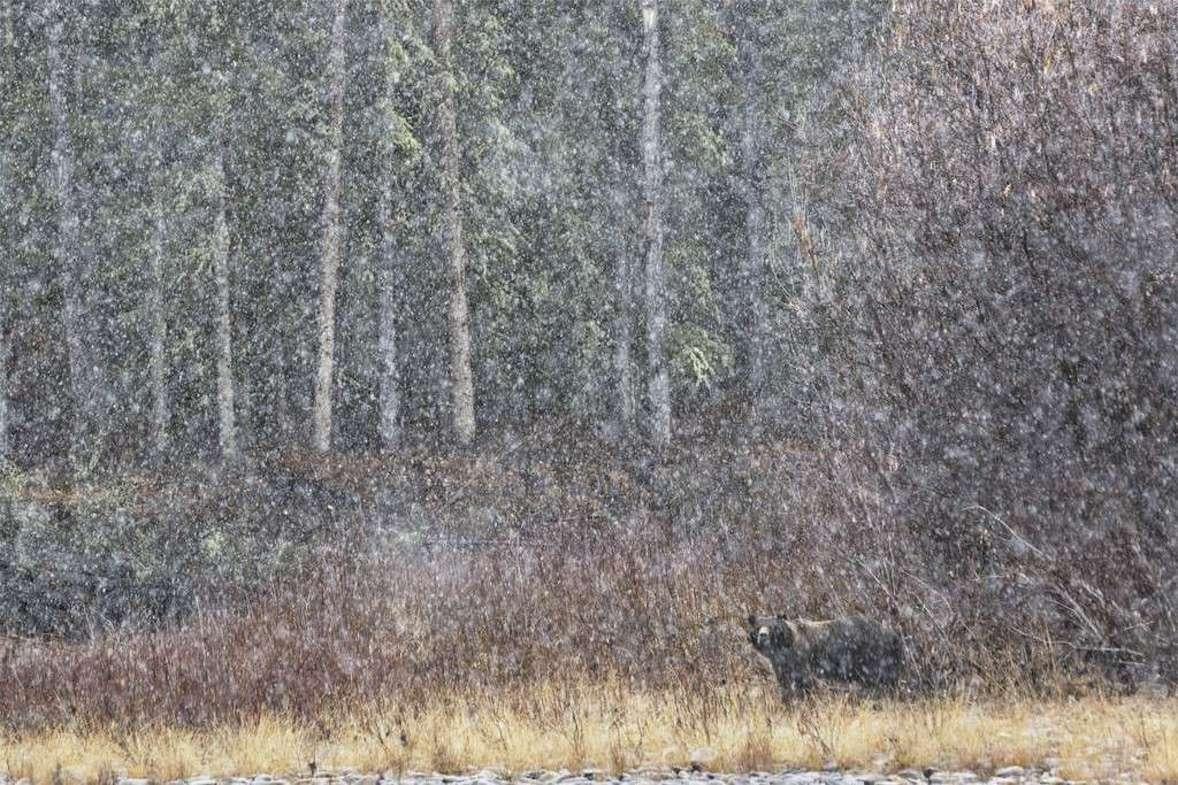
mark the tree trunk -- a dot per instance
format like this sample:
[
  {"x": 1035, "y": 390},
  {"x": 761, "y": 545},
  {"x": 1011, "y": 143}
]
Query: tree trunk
[
  {"x": 623, "y": 338},
  {"x": 621, "y": 206},
  {"x": 332, "y": 234},
  {"x": 388, "y": 262},
  {"x": 5, "y": 353},
  {"x": 390, "y": 377},
  {"x": 753, "y": 269},
  {"x": 157, "y": 337},
  {"x": 285, "y": 417},
  {"x": 226, "y": 418},
  {"x": 658, "y": 379},
  {"x": 8, "y": 119},
  {"x": 68, "y": 250},
  {"x": 461, "y": 380}
]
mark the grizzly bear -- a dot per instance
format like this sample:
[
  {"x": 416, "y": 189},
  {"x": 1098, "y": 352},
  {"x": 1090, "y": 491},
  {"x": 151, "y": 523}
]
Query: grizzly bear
[{"x": 848, "y": 649}]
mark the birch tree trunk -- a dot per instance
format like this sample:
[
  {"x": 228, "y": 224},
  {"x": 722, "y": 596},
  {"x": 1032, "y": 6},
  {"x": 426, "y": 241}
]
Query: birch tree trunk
[
  {"x": 626, "y": 405},
  {"x": 5, "y": 349},
  {"x": 5, "y": 353},
  {"x": 623, "y": 338},
  {"x": 390, "y": 376},
  {"x": 7, "y": 140},
  {"x": 226, "y": 417},
  {"x": 388, "y": 262},
  {"x": 68, "y": 249},
  {"x": 751, "y": 290},
  {"x": 284, "y": 416},
  {"x": 157, "y": 336},
  {"x": 658, "y": 378},
  {"x": 332, "y": 236},
  {"x": 461, "y": 379}
]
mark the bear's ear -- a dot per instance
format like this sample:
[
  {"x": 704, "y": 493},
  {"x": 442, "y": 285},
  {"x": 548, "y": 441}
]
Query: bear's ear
[
  {"x": 786, "y": 634},
  {"x": 752, "y": 620}
]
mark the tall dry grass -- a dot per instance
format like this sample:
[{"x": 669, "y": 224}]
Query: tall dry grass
[{"x": 613, "y": 728}]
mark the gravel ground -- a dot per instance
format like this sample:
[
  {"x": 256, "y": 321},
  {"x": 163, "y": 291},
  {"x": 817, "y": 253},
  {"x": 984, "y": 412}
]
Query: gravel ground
[{"x": 1013, "y": 775}]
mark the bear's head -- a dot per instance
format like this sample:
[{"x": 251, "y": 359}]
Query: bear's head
[{"x": 769, "y": 633}]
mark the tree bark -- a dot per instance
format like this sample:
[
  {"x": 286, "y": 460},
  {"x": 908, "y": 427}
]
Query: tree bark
[
  {"x": 226, "y": 417},
  {"x": 5, "y": 353},
  {"x": 753, "y": 270},
  {"x": 658, "y": 379},
  {"x": 621, "y": 204},
  {"x": 157, "y": 336},
  {"x": 390, "y": 376},
  {"x": 157, "y": 339},
  {"x": 68, "y": 250},
  {"x": 332, "y": 236},
  {"x": 389, "y": 263},
  {"x": 461, "y": 378},
  {"x": 8, "y": 119},
  {"x": 626, "y": 405}
]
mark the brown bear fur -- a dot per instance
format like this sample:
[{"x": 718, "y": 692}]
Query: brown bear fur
[{"x": 850, "y": 649}]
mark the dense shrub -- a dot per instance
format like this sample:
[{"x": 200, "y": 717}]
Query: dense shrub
[
  {"x": 564, "y": 585},
  {"x": 1004, "y": 314}
]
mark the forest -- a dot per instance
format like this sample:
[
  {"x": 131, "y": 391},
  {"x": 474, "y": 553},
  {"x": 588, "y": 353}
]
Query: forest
[
  {"x": 333, "y": 332},
  {"x": 236, "y": 228}
]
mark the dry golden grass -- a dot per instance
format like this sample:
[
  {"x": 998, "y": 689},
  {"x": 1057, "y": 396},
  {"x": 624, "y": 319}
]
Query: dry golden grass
[{"x": 609, "y": 727}]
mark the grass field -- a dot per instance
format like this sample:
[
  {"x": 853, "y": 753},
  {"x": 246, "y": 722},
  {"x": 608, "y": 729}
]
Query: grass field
[{"x": 613, "y": 728}]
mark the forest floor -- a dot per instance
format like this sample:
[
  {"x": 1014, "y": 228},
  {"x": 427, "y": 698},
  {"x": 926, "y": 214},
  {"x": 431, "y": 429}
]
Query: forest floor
[{"x": 609, "y": 729}]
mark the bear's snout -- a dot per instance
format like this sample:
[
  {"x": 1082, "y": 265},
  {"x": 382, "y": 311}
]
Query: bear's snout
[{"x": 763, "y": 636}]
